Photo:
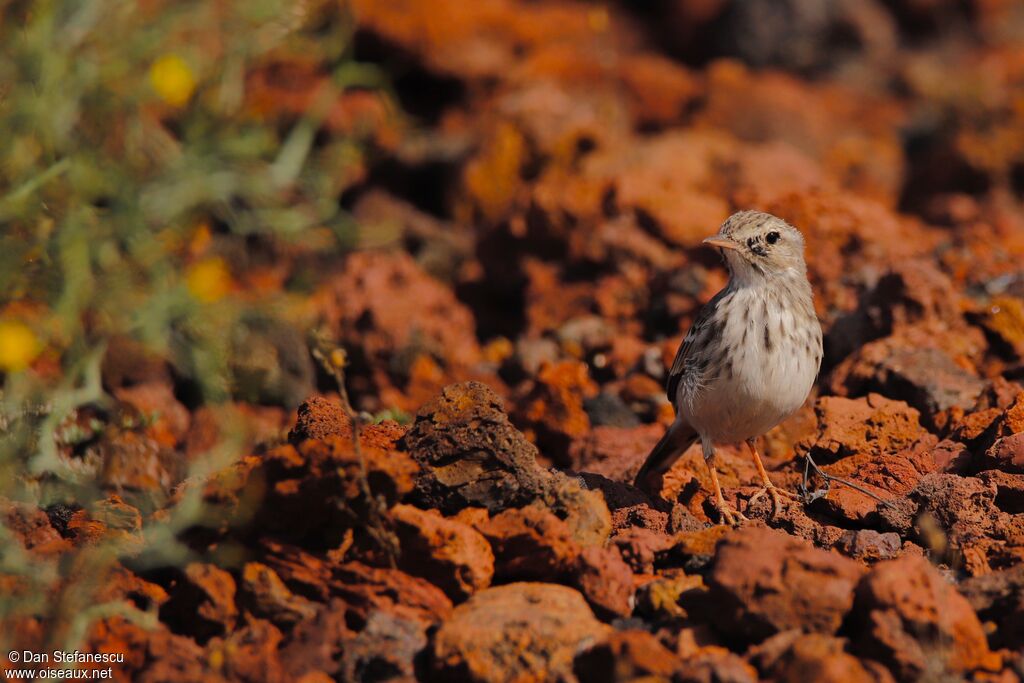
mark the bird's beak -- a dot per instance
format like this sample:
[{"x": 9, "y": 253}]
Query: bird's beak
[{"x": 721, "y": 242}]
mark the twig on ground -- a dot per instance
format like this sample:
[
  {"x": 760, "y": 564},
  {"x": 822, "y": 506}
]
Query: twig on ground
[{"x": 333, "y": 359}]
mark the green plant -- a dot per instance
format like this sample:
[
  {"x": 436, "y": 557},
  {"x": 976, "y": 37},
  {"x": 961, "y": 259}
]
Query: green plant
[{"x": 134, "y": 157}]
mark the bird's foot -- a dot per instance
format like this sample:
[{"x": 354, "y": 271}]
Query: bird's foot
[
  {"x": 776, "y": 495},
  {"x": 729, "y": 515}
]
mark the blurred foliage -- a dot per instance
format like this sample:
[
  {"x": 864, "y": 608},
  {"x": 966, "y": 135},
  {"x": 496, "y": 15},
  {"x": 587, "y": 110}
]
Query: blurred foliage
[{"x": 129, "y": 144}]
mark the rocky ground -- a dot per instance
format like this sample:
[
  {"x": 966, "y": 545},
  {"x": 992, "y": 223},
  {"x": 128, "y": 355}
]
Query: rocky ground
[{"x": 538, "y": 209}]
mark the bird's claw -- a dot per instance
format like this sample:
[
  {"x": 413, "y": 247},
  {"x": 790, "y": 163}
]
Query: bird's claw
[
  {"x": 775, "y": 493},
  {"x": 730, "y": 515}
]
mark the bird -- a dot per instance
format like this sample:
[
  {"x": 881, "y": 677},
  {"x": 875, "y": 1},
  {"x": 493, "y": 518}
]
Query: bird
[{"x": 750, "y": 358}]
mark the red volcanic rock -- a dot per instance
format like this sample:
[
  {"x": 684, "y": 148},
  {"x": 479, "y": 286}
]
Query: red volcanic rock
[
  {"x": 998, "y": 598},
  {"x": 383, "y": 308},
  {"x": 715, "y": 664},
  {"x": 202, "y": 602},
  {"x": 522, "y": 631},
  {"x": 127, "y": 363},
  {"x": 264, "y": 594},
  {"x": 1007, "y": 453},
  {"x": 363, "y": 589},
  {"x": 1004, "y": 318},
  {"x": 448, "y": 553},
  {"x": 660, "y": 89},
  {"x": 136, "y": 463},
  {"x": 249, "y": 653},
  {"x": 212, "y": 425},
  {"x": 855, "y": 140},
  {"x": 448, "y": 37},
  {"x": 32, "y": 528},
  {"x": 804, "y": 522},
  {"x": 671, "y": 595},
  {"x": 926, "y": 378},
  {"x": 605, "y": 580},
  {"x": 614, "y": 452},
  {"x": 584, "y": 510},
  {"x": 318, "y": 418},
  {"x": 869, "y": 545},
  {"x": 764, "y": 582},
  {"x": 795, "y": 656},
  {"x": 530, "y": 543},
  {"x": 316, "y": 646},
  {"x": 860, "y": 238},
  {"x": 150, "y": 654},
  {"x": 969, "y": 520},
  {"x": 366, "y": 589},
  {"x": 386, "y": 644},
  {"x": 626, "y": 656},
  {"x": 997, "y": 431},
  {"x": 873, "y": 425},
  {"x": 679, "y": 180},
  {"x": 318, "y": 490},
  {"x": 912, "y": 620},
  {"x": 553, "y": 407},
  {"x": 640, "y": 547},
  {"x": 470, "y": 453},
  {"x": 887, "y": 475}
]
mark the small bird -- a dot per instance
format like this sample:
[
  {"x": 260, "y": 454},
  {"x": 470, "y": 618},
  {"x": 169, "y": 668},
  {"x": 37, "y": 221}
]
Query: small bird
[{"x": 751, "y": 356}]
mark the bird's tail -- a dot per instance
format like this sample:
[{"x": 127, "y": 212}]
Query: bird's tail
[{"x": 677, "y": 439}]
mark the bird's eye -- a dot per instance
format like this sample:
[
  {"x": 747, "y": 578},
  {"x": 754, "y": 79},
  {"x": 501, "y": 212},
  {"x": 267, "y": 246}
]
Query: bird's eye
[{"x": 772, "y": 237}]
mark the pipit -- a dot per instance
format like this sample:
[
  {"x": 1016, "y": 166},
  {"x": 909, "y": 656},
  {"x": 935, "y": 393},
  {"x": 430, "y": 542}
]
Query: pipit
[{"x": 751, "y": 356}]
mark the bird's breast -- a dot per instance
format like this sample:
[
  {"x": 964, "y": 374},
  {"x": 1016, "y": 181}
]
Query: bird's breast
[{"x": 768, "y": 358}]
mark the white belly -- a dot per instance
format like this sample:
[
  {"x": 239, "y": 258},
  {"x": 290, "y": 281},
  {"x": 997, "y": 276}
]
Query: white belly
[{"x": 767, "y": 384}]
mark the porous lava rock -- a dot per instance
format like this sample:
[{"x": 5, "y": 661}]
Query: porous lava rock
[
  {"x": 521, "y": 631},
  {"x": 626, "y": 656},
  {"x": 446, "y": 552},
  {"x": 470, "y": 454},
  {"x": 911, "y": 619},
  {"x": 763, "y": 582}
]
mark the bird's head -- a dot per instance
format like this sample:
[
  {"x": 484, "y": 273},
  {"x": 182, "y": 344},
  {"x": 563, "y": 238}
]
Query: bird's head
[{"x": 755, "y": 244}]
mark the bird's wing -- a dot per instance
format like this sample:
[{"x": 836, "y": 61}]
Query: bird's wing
[{"x": 684, "y": 363}]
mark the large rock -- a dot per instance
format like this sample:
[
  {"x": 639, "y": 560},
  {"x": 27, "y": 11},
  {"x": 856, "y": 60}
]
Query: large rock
[
  {"x": 909, "y": 617},
  {"x": 998, "y": 598},
  {"x": 391, "y": 315},
  {"x": 873, "y": 425},
  {"x": 518, "y": 632},
  {"x": 763, "y": 581},
  {"x": 265, "y": 595},
  {"x": 626, "y": 656},
  {"x": 606, "y": 581},
  {"x": 795, "y": 656},
  {"x": 926, "y": 378},
  {"x": 552, "y": 409},
  {"x": 385, "y": 650},
  {"x": 320, "y": 489},
  {"x": 448, "y": 553},
  {"x": 361, "y": 588},
  {"x": 471, "y": 454},
  {"x": 967, "y": 521},
  {"x": 530, "y": 544},
  {"x": 202, "y": 602}
]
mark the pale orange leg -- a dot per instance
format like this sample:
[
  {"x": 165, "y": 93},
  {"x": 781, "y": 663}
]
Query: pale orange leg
[
  {"x": 769, "y": 487},
  {"x": 728, "y": 515}
]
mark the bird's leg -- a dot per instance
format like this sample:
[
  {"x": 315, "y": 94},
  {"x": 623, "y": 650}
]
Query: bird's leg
[
  {"x": 727, "y": 514},
  {"x": 768, "y": 486}
]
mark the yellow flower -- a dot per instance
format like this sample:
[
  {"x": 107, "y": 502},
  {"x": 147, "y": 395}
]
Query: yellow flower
[
  {"x": 172, "y": 79},
  {"x": 18, "y": 345},
  {"x": 208, "y": 280}
]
